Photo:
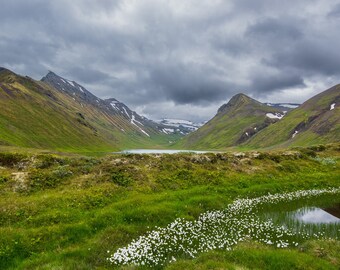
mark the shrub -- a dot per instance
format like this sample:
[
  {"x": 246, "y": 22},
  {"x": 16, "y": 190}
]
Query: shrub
[
  {"x": 46, "y": 161},
  {"x": 121, "y": 178},
  {"x": 3, "y": 179},
  {"x": 11, "y": 159},
  {"x": 40, "y": 180},
  {"x": 308, "y": 152},
  {"x": 318, "y": 148},
  {"x": 326, "y": 161},
  {"x": 62, "y": 172},
  {"x": 287, "y": 166}
]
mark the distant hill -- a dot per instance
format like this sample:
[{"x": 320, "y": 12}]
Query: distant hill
[
  {"x": 175, "y": 126},
  {"x": 56, "y": 113},
  {"x": 316, "y": 121},
  {"x": 283, "y": 106},
  {"x": 235, "y": 123}
]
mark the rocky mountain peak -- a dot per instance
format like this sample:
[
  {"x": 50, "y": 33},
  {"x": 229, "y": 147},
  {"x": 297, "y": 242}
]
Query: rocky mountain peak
[{"x": 237, "y": 101}]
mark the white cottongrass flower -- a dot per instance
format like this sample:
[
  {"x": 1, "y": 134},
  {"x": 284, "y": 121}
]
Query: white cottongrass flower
[{"x": 214, "y": 230}]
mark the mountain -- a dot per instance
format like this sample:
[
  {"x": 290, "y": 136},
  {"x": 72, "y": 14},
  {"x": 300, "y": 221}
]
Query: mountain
[
  {"x": 178, "y": 126},
  {"x": 158, "y": 131},
  {"x": 316, "y": 121},
  {"x": 235, "y": 123},
  {"x": 56, "y": 113},
  {"x": 110, "y": 106}
]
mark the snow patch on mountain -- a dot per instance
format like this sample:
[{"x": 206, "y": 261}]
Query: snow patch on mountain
[
  {"x": 168, "y": 130},
  {"x": 295, "y": 132},
  {"x": 113, "y": 105},
  {"x": 332, "y": 106},
  {"x": 71, "y": 83},
  {"x": 126, "y": 112},
  {"x": 275, "y": 116},
  {"x": 179, "y": 126},
  {"x": 134, "y": 122}
]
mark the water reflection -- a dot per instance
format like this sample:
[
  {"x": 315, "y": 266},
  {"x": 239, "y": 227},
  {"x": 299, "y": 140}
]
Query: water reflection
[
  {"x": 309, "y": 219},
  {"x": 315, "y": 215}
]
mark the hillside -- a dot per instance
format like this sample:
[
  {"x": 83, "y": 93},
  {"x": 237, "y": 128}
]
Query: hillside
[
  {"x": 235, "y": 122},
  {"x": 315, "y": 121},
  {"x": 67, "y": 118}
]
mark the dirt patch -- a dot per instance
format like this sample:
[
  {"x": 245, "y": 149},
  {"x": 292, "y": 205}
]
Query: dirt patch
[{"x": 20, "y": 181}]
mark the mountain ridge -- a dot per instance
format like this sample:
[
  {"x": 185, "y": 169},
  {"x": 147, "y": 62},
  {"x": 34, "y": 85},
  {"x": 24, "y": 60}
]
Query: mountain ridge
[
  {"x": 57, "y": 113},
  {"x": 313, "y": 122},
  {"x": 110, "y": 106},
  {"x": 235, "y": 122},
  {"x": 67, "y": 117}
]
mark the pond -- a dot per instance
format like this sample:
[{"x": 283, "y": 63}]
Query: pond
[
  {"x": 279, "y": 220},
  {"x": 160, "y": 151},
  {"x": 317, "y": 215},
  {"x": 321, "y": 216}
]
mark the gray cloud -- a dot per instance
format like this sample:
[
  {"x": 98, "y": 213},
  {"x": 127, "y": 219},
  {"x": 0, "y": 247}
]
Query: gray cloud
[
  {"x": 89, "y": 75},
  {"x": 335, "y": 12},
  {"x": 310, "y": 57},
  {"x": 176, "y": 58},
  {"x": 275, "y": 29},
  {"x": 269, "y": 83}
]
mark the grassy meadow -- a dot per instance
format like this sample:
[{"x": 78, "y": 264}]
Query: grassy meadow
[{"x": 69, "y": 212}]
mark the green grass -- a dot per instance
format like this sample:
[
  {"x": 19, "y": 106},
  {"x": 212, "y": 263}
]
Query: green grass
[
  {"x": 35, "y": 115},
  {"x": 325, "y": 128},
  {"x": 229, "y": 126},
  {"x": 68, "y": 211},
  {"x": 255, "y": 256}
]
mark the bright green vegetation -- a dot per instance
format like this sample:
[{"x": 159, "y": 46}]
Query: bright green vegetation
[
  {"x": 311, "y": 255},
  {"x": 223, "y": 229},
  {"x": 242, "y": 123},
  {"x": 234, "y": 123},
  {"x": 313, "y": 120},
  {"x": 36, "y": 115},
  {"x": 66, "y": 212}
]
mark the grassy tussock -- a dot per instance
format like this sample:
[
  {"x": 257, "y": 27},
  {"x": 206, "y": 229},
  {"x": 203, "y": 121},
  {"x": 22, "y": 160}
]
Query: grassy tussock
[{"x": 66, "y": 212}]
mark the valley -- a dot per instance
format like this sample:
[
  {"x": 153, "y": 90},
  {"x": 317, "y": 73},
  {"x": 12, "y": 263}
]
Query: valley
[
  {"x": 170, "y": 135},
  {"x": 85, "y": 180}
]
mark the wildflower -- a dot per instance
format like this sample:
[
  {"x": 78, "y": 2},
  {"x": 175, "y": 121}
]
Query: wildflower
[{"x": 213, "y": 229}]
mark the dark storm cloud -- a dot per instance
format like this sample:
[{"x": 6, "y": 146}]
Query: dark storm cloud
[
  {"x": 335, "y": 12},
  {"x": 168, "y": 57},
  {"x": 275, "y": 29},
  {"x": 309, "y": 57},
  {"x": 88, "y": 75},
  {"x": 185, "y": 84},
  {"x": 263, "y": 84}
]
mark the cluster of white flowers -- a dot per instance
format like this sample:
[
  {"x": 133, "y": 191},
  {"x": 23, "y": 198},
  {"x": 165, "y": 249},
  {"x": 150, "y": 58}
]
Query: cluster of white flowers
[{"x": 214, "y": 230}]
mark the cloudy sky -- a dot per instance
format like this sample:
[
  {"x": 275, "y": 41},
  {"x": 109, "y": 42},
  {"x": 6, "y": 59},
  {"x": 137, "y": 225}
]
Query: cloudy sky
[{"x": 177, "y": 58}]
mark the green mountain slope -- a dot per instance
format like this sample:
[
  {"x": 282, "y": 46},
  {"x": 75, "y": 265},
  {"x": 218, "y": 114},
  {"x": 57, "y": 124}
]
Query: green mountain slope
[
  {"x": 37, "y": 115},
  {"x": 315, "y": 121},
  {"x": 235, "y": 122}
]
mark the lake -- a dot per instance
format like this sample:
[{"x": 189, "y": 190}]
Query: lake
[{"x": 161, "y": 151}]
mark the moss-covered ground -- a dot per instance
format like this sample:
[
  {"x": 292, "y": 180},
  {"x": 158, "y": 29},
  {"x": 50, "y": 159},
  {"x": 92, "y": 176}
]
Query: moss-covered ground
[{"x": 66, "y": 212}]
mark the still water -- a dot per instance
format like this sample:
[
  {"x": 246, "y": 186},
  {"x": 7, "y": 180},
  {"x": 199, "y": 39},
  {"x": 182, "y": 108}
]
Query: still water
[
  {"x": 159, "y": 151},
  {"x": 310, "y": 219},
  {"x": 317, "y": 215}
]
